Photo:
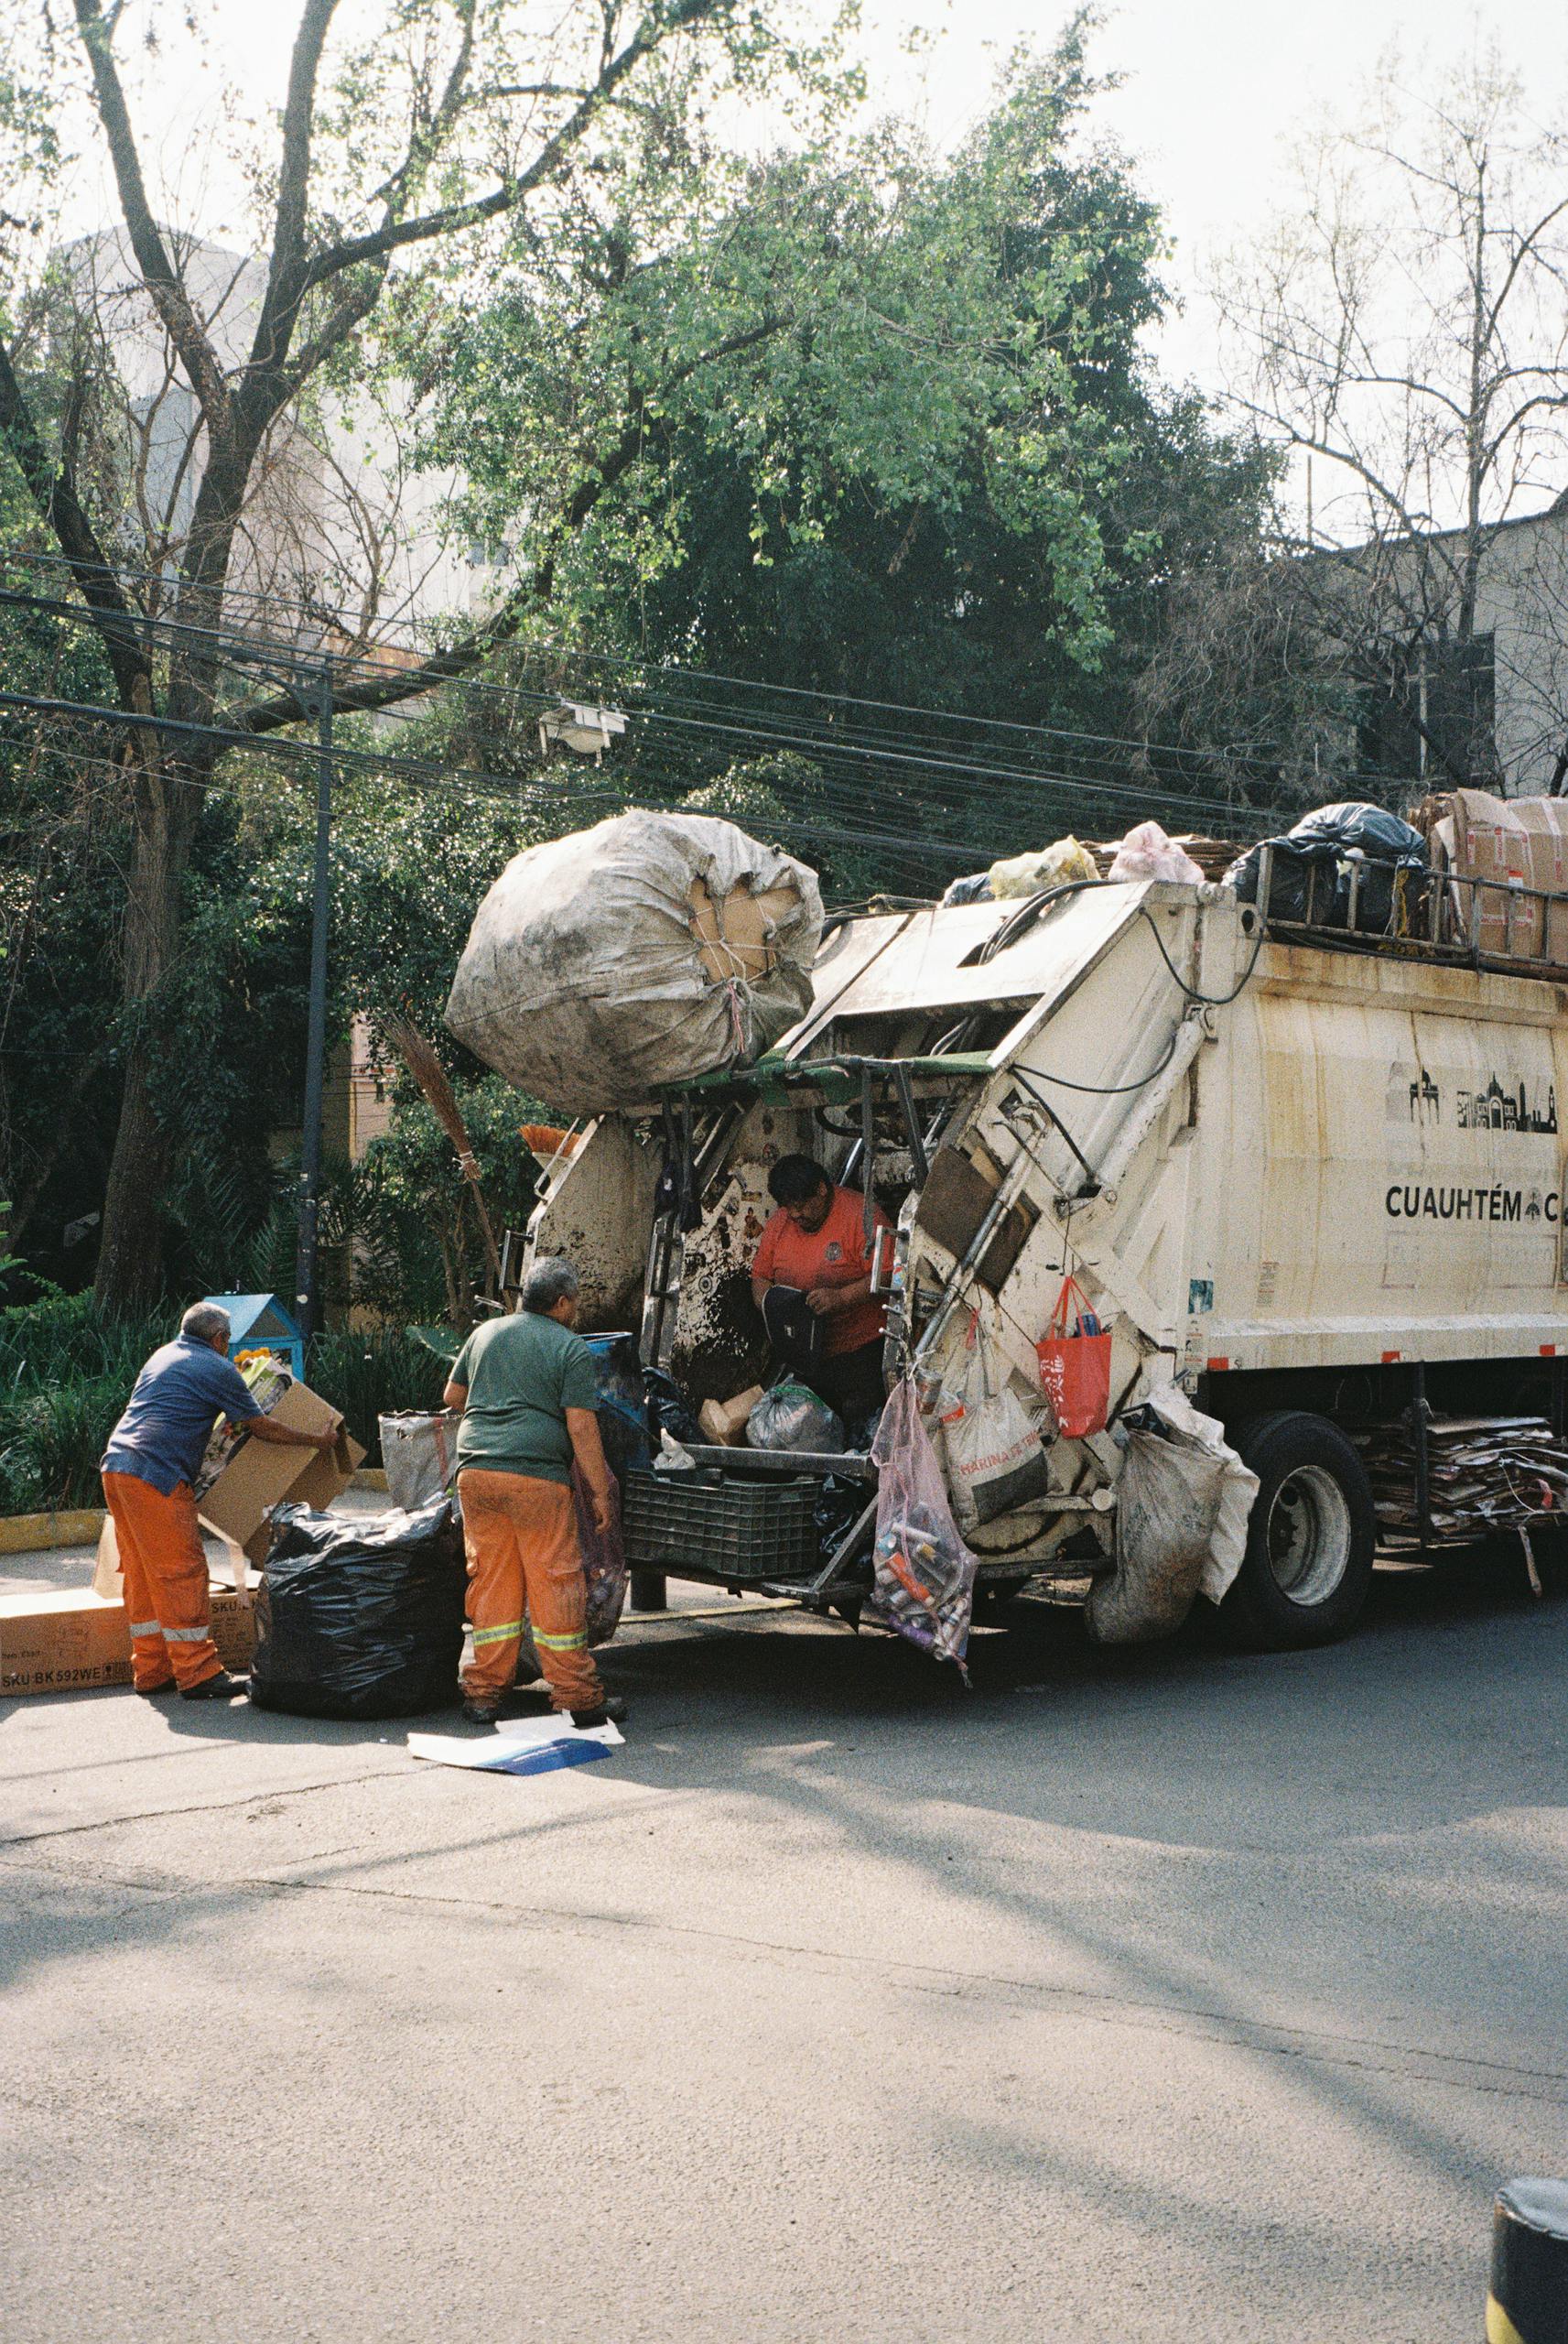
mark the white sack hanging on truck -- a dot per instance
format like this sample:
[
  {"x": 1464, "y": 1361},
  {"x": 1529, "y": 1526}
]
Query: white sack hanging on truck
[{"x": 650, "y": 950}]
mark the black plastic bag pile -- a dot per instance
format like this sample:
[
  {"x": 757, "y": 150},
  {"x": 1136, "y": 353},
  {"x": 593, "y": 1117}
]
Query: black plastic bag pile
[
  {"x": 1313, "y": 867},
  {"x": 360, "y": 1615}
]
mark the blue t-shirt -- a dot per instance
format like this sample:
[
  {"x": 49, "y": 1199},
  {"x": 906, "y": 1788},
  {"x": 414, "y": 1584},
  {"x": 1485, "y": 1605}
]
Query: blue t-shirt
[{"x": 177, "y": 1397}]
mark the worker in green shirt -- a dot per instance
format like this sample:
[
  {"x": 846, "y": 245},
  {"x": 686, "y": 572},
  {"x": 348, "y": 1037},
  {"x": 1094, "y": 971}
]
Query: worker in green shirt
[{"x": 527, "y": 1392}]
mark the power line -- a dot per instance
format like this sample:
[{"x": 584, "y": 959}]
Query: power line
[{"x": 695, "y": 678}]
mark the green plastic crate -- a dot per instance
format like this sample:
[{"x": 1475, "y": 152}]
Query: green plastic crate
[{"x": 735, "y": 1529}]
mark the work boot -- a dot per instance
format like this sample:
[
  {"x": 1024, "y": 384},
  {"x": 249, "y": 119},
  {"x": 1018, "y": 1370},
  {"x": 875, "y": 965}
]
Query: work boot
[
  {"x": 221, "y": 1687},
  {"x": 612, "y": 1711},
  {"x": 479, "y": 1713},
  {"x": 149, "y": 1692}
]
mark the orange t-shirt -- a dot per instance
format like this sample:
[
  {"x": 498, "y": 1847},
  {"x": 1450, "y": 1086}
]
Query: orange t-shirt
[{"x": 834, "y": 1254}]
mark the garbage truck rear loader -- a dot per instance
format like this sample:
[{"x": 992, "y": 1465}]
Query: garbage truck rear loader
[{"x": 1308, "y": 1182}]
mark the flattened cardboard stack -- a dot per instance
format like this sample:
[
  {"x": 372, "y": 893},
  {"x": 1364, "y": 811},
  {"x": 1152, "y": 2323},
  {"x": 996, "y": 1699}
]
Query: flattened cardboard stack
[
  {"x": 1484, "y": 1473},
  {"x": 1512, "y": 845},
  {"x": 71, "y": 1641}
]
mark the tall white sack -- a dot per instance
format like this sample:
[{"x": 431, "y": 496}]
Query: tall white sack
[{"x": 649, "y": 949}]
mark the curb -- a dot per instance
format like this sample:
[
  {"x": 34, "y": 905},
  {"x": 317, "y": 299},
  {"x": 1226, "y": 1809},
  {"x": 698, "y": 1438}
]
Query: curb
[{"x": 27, "y": 1534}]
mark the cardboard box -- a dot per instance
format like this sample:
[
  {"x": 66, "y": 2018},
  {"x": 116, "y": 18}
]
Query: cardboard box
[
  {"x": 69, "y": 1642},
  {"x": 262, "y": 1474},
  {"x": 724, "y": 1421}
]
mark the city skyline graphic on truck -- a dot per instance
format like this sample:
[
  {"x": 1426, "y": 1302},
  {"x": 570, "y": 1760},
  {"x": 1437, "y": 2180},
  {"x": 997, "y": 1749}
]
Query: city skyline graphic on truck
[{"x": 1414, "y": 1096}]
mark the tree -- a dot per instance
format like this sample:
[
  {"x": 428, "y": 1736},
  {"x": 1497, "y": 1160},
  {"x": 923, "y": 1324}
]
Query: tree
[
  {"x": 1403, "y": 334},
  {"x": 460, "y": 129},
  {"x": 933, "y": 466}
]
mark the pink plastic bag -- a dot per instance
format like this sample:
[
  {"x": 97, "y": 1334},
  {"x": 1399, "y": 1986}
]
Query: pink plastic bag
[
  {"x": 925, "y": 1585},
  {"x": 1147, "y": 854}
]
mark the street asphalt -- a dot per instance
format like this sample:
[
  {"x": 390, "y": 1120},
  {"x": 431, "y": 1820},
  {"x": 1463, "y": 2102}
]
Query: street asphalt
[{"x": 1165, "y": 1995}]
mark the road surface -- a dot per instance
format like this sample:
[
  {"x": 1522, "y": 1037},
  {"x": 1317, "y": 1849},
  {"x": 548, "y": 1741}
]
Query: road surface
[{"x": 1152, "y": 1996}]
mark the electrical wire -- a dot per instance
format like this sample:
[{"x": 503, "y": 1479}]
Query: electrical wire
[
  {"x": 1259, "y": 752},
  {"x": 1208, "y": 1000}
]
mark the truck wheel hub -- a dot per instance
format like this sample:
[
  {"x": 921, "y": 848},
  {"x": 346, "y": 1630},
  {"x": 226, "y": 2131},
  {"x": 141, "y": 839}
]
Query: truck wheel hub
[{"x": 1309, "y": 1535}]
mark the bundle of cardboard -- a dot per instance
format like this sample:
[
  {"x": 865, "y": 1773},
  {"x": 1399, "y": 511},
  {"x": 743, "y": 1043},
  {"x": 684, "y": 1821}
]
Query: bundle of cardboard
[
  {"x": 1506, "y": 854},
  {"x": 1484, "y": 1473}
]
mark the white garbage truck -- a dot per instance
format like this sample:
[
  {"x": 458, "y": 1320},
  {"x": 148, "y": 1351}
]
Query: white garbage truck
[{"x": 1308, "y": 1180}]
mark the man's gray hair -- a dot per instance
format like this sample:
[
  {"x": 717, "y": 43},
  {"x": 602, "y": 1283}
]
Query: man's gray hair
[
  {"x": 551, "y": 1280},
  {"x": 204, "y": 1322}
]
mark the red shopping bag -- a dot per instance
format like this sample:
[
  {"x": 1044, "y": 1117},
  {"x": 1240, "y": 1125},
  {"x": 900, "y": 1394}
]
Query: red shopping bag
[{"x": 1074, "y": 1368}]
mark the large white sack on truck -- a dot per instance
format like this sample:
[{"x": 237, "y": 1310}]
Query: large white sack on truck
[{"x": 650, "y": 950}]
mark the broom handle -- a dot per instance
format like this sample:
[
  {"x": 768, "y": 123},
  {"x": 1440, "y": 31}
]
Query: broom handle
[{"x": 470, "y": 1173}]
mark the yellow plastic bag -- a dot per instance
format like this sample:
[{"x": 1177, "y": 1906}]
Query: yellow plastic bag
[{"x": 1052, "y": 866}]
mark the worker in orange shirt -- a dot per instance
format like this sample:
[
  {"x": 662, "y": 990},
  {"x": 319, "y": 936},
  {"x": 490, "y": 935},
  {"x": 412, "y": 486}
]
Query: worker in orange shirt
[{"x": 814, "y": 1264}]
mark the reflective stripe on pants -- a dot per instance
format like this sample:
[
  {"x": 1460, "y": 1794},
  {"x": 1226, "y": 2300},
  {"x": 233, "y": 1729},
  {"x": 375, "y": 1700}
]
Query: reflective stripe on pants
[
  {"x": 165, "y": 1566},
  {"x": 523, "y": 1555}
]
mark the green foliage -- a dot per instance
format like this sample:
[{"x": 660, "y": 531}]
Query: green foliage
[
  {"x": 369, "y": 1376},
  {"x": 66, "y": 1372}
]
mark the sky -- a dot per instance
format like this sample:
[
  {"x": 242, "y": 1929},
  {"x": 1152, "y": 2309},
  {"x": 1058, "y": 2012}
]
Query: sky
[{"x": 1212, "y": 92}]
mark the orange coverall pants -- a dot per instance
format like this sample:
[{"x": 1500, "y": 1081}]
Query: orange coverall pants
[
  {"x": 165, "y": 1566},
  {"x": 523, "y": 1554}
]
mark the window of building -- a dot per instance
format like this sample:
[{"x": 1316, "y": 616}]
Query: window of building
[{"x": 1430, "y": 720}]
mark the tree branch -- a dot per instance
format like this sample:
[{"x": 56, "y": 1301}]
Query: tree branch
[
  {"x": 286, "y": 275},
  {"x": 379, "y": 243},
  {"x": 400, "y": 683},
  {"x": 180, "y": 323},
  {"x": 53, "y": 491}
]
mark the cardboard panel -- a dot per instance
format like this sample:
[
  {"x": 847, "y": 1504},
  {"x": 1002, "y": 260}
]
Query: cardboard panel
[
  {"x": 261, "y": 1475},
  {"x": 74, "y": 1640}
]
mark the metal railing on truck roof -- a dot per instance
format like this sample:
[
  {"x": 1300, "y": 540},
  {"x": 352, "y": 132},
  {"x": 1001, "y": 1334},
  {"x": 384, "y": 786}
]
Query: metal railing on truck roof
[{"x": 1433, "y": 915}]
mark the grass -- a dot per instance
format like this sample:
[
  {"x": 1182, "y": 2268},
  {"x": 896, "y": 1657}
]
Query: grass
[{"x": 66, "y": 1373}]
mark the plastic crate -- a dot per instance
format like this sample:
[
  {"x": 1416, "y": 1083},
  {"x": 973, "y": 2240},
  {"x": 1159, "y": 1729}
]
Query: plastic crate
[{"x": 734, "y": 1528}]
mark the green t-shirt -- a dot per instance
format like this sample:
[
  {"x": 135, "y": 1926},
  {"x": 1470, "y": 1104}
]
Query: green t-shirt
[{"x": 523, "y": 1373}]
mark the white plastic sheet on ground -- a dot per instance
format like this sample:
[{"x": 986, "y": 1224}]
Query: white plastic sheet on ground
[
  {"x": 520, "y": 1746},
  {"x": 647, "y": 951},
  {"x": 1183, "y": 1502}
]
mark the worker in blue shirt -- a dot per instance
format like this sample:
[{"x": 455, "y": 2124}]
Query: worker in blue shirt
[{"x": 149, "y": 1471}]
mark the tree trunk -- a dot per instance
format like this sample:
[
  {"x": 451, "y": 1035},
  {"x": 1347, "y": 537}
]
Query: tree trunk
[{"x": 130, "y": 1259}]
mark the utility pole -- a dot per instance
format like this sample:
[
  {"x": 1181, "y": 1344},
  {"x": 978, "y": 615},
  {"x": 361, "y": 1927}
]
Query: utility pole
[{"x": 306, "y": 1275}]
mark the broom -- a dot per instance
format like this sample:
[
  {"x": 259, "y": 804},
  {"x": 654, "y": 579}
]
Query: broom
[{"x": 431, "y": 1076}]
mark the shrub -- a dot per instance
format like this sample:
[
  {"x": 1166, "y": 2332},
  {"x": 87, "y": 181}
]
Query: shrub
[{"x": 66, "y": 1373}]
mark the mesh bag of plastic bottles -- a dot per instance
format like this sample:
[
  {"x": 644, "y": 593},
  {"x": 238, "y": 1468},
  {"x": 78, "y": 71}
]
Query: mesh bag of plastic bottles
[{"x": 925, "y": 1575}]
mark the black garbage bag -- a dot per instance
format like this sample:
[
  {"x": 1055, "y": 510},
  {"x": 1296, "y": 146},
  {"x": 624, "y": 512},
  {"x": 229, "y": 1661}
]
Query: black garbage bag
[
  {"x": 360, "y": 1615},
  {"x": 1313, "y": 865},
  {"x": 669, "y": 1409},
  {"x": 975, "y": 887}
]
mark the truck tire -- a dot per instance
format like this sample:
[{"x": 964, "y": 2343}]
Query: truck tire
[{"x": 1308, "y": 1564}]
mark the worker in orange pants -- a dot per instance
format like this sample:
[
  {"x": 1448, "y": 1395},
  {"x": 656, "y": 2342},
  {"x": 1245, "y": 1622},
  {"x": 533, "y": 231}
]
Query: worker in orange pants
[
  {"x": 523, "y": 1552},
  {"x": 527, "y": 1391},
  {"x": 165, "y": 1566},
  {"x": 149, "y": 1467}
]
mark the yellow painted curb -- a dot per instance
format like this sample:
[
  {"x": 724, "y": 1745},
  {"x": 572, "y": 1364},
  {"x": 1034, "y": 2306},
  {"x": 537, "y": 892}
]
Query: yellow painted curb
[{"x": 26, "y": 1534}]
